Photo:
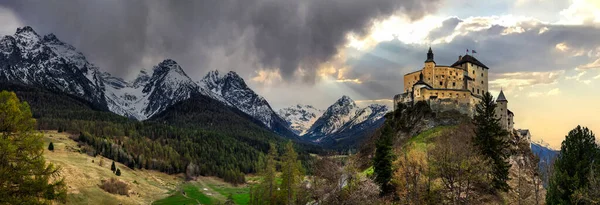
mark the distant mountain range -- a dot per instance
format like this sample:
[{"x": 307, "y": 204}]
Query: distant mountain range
[
  {"x": 544, "y": 152},
  {"x": 342, "y": 125},
  {"x": 48, "y": 63}
]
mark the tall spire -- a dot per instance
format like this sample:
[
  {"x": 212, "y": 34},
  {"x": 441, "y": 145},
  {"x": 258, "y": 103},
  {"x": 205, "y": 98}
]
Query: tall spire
[
  {"x": 501, "y": 97},
  {"x": 430, "y": 55}
]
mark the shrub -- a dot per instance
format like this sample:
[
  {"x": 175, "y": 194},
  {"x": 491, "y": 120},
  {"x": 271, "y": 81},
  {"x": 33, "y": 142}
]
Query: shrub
[
  {"x": 51, "y": 147},
  {"x": 115, "y": 186}
]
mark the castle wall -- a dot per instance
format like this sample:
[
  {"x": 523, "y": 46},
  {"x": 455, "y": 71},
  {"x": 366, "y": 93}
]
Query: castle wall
[
  {"x": 410, "y": 79},
  {"x": 463, "y": 106},
  {"x": 479, "y": 74},
  {"x": 448, "y": 78}
]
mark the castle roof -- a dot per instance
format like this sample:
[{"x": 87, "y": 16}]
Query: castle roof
[
  {"x": 469, "y": 59},
  {"x": 501, "y": 97},
  {"x": 421, "y": 82}
]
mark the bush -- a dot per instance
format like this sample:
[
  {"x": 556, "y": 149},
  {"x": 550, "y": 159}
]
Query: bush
[
  {"x": 51, "y": 147},
  {"x": 115, "y": 186},
  {"x": 118, "y": 172}
]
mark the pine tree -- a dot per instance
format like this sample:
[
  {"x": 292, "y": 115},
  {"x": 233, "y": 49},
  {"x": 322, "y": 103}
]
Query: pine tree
[
  {"x": 51, "y": 147},
  {"x": 492, "y": 141},
  {"x": 290, "y": 175},
  {"x": 266, "y": 191},
  {"x": 25, "y": 176},
  {"x": 573, "y": 167},
  {"x": 118, "y": 172},
  {"x": 113, "y": 168},
  {"x": 382, "y": 162}
]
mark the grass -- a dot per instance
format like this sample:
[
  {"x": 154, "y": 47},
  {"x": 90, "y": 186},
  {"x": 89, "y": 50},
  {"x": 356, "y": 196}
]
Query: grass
[
  {"x": 422, "y": 141},
  {"x": 241, "y": 195},
  {"x": 210, "y": 190},
  {"x": 83, "y": 176},
  {"x": 192, "y": 196}
]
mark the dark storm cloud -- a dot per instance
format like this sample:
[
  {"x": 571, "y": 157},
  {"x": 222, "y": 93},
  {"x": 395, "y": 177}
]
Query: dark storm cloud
[
  {"x": 448, "y": 26},
  {"x": 211, "y": 34}
]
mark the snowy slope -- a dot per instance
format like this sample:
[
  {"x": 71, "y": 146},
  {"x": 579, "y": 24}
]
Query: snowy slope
[
  {"x": 30, "y": 59},
  {"x": 300, "y": 117},
  {"x": 148, "y": 95},
  {"x": 345, "y": 117}
]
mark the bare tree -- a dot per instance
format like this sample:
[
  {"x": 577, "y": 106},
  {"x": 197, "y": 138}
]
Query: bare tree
[{"x": 456, "y": 162}]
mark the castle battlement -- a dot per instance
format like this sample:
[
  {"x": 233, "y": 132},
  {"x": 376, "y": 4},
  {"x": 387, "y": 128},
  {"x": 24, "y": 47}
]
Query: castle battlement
[{"x": 459, "y": 86}]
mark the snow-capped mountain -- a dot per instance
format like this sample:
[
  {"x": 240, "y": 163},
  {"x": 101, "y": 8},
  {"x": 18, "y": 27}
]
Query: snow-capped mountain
[
  {"x": 46, "y": 62},
  {"x": 345, "y": 118},
  {"x": 300, "y": 117},
  {"x": 30, "y": 59},
  {"x": 148, "y": 95},
  {"x": 232, "y": 90}
]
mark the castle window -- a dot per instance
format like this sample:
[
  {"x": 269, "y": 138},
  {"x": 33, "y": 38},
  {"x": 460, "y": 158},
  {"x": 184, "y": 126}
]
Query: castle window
[
  {"x": 482, "y": 82},
  {"x": 453, "y": 84},
  {"x": 477, "y": 90},
  {"x": 481, "y": 74},
  {"x": 473, "y": 72},
  {"x": 473, "y": 89},
  {"x": 441, "y": 82}
]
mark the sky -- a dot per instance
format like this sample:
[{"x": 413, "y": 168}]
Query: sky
[{"x": 544, "y": 55}]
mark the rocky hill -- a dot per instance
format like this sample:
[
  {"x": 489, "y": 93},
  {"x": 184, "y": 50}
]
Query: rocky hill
[{"x": 418, "y": 134}]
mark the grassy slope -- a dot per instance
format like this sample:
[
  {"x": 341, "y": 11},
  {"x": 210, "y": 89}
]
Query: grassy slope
[
  {"x": 419, "y": 143},
  {"x": 147, "y": 186},
  {"x": 83, "y": 177},
  {"x": 425, "y": 138}
]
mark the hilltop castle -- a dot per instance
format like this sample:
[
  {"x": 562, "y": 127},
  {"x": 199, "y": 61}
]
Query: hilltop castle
[{"x": 459, "y": 86}]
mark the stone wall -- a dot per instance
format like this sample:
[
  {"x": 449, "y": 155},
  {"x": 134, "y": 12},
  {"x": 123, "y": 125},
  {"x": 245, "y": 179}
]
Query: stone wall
[{"x": 464, "y": 107}]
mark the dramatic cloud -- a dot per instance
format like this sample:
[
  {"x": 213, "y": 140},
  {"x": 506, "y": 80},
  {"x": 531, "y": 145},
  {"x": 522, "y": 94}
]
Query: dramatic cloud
[{"x": 211, "y": 34}]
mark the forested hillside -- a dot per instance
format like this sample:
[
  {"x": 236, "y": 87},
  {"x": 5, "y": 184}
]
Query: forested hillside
[{"x": 203, "y": 137}]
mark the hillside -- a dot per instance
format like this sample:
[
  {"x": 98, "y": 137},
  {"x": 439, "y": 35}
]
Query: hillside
[
  {"x": 216, "y": 141},
  {"x": 419, "y": 135},
  {"x": 84, "y": 173}
]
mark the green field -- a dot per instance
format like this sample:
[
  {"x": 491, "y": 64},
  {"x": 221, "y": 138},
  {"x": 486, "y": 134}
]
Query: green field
[
  {"x": 208, "y": 190},
  {"x": 192, "y": 195}
]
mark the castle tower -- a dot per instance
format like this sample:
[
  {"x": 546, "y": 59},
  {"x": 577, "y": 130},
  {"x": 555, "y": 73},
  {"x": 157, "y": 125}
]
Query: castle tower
[
  {"x": 429, "y": 70},
  {"x": 502, "y": 111}
]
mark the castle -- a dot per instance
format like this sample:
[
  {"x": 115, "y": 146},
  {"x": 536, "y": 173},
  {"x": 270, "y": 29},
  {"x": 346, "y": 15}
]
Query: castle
[{"x": 459, "y": 86}]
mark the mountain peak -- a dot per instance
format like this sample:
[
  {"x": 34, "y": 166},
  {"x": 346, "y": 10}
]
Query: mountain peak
[
  {"x": 25, "y": 29},
  {"x": 168, "y": 65},
  {"x": 27, "y": 37},
  {"x": 51, "y": 38},
  {"x": 345, "y": 100}
]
